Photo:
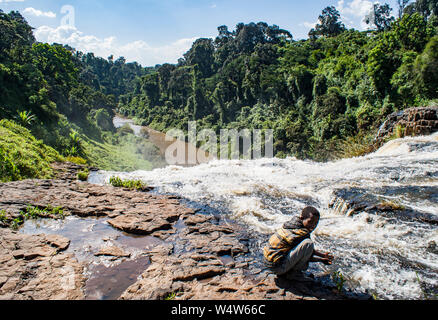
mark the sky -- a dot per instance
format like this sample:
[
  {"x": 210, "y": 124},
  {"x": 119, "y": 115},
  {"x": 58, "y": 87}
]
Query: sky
[{"x": 158, "y": 31}]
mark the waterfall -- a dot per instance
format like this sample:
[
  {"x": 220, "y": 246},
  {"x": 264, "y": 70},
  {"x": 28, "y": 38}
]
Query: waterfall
[{"x": 372, "y": 207}]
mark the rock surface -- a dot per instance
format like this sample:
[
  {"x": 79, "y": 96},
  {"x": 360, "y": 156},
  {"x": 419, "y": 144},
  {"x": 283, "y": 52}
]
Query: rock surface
[
  {"x": 350, "y": 201},
  {"x": 415, "y": 121},
  {"x": 194, "y": 257},
  {"x": 35, "y": 268}
]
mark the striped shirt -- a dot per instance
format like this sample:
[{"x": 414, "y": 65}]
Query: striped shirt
[{"x": 283, "y": 241}]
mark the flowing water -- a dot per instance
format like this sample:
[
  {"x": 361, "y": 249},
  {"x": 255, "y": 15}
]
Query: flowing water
[{"x": 389, "y": 256}]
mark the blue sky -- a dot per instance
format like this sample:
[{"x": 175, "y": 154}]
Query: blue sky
[{"x": 159, "y": 31}]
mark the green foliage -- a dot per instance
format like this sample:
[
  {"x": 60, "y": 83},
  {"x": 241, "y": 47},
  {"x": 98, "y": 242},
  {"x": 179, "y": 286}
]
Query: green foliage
[
  {"x": 26, "y": 118},
  {"x": 380, "y": 17},
  {"x": 339, "y": 280},
  {"x": 426, "y": 68},
  {"x": 3, "y": 217},
  {"x": 122, "y": 152},
  {"x": 355, "y": 146},
  {"x": 63, "y": 90},
  {"x": 31, "y": 213},
  {"x": 317, "y": 94},
  {"x": 128, "y": 184},
  {"x": 400, "y": 131},
  {"x": 22, "y": 155},
  {"x": 77, "y": 160},
  {"x": 329, "y": 24},
  {"x": 83, "y": 175},
  {"x": 104, "y": 120}
]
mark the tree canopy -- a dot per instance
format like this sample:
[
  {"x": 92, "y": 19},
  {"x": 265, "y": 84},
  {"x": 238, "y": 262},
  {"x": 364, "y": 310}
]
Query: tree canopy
[{"x": 316, "y": 93}]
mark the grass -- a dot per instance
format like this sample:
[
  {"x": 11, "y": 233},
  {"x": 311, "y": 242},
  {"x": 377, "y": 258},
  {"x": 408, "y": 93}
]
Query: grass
[
  {"x": 22, "y": 156},
  {"x": 76, "y": 160},
  {"x": 395, "y": 206},
  {"x": 356, "y": 146},
  {"x": 339, "y": 280},
  {"x": 3, "y": 216},
  {"x": 400, "y": 132},
  {"x": 83, "y": 175},
  {"x": 425, "y": 294},
  {"x": 119, "y": 155},
  {"x": 171, "y": 296},
  {"x": 128, "y": 184},
  {"x": 32, "y": 212}
]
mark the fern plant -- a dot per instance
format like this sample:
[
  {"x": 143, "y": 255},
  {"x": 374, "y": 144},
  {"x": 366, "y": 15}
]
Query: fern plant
[{"x": 26, "y": 118}]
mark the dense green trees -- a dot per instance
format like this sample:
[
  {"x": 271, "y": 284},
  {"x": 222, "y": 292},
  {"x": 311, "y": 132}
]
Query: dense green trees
[
  {"x": 337, "y": 85},
  {"x": 329, "y": 24},
  {"x": 380, "y": 16},
  {"x": 314, "y": 93},
  {"x": 55, "y": 91}
]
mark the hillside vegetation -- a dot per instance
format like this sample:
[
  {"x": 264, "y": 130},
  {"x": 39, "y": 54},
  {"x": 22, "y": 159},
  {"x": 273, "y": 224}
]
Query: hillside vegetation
[
  {"x": 323, "y": 96},
  {"x": 64, "y": 98},
  {"x": 22, "y": 156},
  {"x": 317, "y": 94}
]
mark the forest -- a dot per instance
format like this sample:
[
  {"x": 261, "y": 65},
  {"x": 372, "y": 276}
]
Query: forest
[{"x": 322, "y": 96}]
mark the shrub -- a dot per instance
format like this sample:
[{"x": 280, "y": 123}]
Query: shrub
[
  {"x": 83, "y": 175},
  {"x": 356, "y": 146},
  {"x": 32, "y": 212},
  {"x": 76, "y": 160},
  {"x": 128, "y": 184}
]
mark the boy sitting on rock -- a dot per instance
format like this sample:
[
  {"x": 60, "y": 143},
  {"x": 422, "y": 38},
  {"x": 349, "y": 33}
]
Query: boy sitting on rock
[{"x": 290, "y": 249}]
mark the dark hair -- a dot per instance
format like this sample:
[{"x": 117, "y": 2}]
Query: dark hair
[{"x": 309, "y": 212}]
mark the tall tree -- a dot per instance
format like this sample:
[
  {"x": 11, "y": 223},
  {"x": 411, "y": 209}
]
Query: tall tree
[
  {"x": 201, "y": 54},
  {"x": 329, "y": 25},
  {"x": 380, "y": 16},
  {"x": 401, "y": 7},
  {"x": 426, "y": 8}
]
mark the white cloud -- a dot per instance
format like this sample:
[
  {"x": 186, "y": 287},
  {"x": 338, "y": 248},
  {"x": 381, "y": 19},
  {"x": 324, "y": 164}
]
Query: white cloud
[
  {"x": 38, "y": 13},
  {"x": 309, "y": 25},
  {"x": 4, "y": 1},
  {"x": 139, "y": 51},
  {"x": 354, "y": 12}
]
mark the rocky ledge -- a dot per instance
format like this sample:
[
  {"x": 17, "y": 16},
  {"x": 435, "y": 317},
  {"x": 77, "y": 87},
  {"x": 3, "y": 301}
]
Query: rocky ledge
[
  {"x": 195, "y": 256},
  {"x": 413, "y": 122}
]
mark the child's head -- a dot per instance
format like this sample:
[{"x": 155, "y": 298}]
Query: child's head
[{"x": 310, "y": 217}]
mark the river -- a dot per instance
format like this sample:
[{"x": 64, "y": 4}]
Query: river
[
  {"x": 162, "y": 143},
  {"x": 389, "y": 256}
]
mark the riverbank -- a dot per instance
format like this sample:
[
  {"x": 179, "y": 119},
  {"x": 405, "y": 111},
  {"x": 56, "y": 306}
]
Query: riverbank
[{"x": 180, "y": 254}]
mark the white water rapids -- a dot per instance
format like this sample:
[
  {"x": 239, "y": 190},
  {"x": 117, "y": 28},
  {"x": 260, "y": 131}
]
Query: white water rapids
[{"x": 385, "y": 256}]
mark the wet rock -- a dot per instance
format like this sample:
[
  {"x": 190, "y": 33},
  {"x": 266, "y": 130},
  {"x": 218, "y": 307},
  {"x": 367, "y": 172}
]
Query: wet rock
[
  {"x": 112, "y": 251},
  {"x": 150, "y": 212},
  {"x": 35, "y": 268},
  {"x": 414, "y": 121},
  {"x": 203, "y": 257},
  {"x": 140, "y": 224},
  {"x": 68, "y": 170},
  {"x": 351, "y": 200},
  {"x": 432, "y": 247},
  {"x": 204, "y": 272}
]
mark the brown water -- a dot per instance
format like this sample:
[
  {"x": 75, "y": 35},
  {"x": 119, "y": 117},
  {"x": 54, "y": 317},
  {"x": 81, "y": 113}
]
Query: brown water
[
  {"x": 160, "y": 141},
  {"x": 107, "y": 277}
]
